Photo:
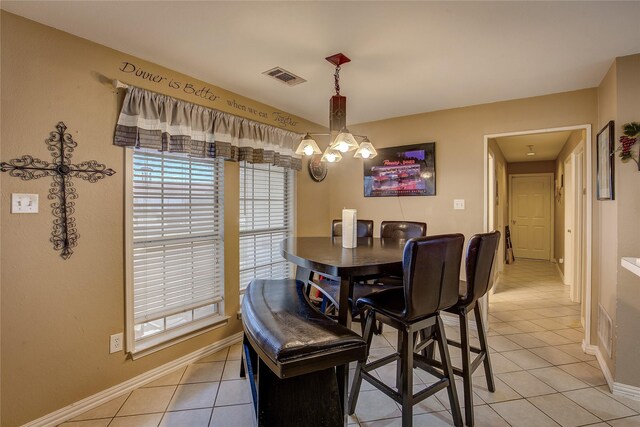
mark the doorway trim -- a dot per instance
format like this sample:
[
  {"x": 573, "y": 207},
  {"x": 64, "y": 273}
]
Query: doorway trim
[
  {"x": 569, "y": 232},
  {"x": 578, "y": 182},
  {"x": 552, "y": 210},
  {"x": 586, "y": 342}
]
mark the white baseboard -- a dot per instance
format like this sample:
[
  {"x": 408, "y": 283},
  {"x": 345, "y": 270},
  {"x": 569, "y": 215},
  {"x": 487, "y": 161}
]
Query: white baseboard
[
  {"x": 594, "y": 350},
  {"x": 616, "y": 388},
  {"x": 559, "y": 271},
  {"x": 77, "y": 408},
  {"x": 624, "y": 390}
]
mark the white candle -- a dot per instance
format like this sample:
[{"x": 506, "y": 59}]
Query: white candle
[{"x": 349, "y": 228}]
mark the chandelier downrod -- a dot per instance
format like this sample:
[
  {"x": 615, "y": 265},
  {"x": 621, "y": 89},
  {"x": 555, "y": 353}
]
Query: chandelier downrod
[{"x": 345, "y": 141}]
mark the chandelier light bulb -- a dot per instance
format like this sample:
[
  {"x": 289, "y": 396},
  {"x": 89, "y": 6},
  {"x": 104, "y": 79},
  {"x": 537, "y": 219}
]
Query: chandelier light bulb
[
  {"x": 308, "y": 146},
  {"x": 366, "y": 150},
  {"x": 344, "y": 142},
  {"x": 331, "y": 156}
]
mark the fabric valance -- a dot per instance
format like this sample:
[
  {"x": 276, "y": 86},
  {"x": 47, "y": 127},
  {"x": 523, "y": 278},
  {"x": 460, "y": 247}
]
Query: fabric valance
[{"x": 152, "y": 120}]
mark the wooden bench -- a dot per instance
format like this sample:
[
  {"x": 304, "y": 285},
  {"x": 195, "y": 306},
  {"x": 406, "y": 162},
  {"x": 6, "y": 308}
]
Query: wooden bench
[{"x": 297, "y": 350}]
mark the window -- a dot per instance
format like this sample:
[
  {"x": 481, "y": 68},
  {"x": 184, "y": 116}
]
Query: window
[
  {"x": 175, "y": 275},
  {"x": 266, "y": 218}
]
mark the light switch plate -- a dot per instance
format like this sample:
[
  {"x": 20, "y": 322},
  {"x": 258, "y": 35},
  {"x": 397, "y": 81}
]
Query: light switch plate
[
  {"x": 458, "y": 204},
  {"x": 24, "y": 203}
]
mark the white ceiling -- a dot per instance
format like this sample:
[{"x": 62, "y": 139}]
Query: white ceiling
[
  {"x": 407, "y": 57},
  {"x": 546, "y": 146}
]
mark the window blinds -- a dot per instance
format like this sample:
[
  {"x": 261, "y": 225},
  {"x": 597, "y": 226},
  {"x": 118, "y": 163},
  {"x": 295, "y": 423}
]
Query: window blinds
[
  {"x": 178, "y": 254},
  {"x": 266, "y": 201}
]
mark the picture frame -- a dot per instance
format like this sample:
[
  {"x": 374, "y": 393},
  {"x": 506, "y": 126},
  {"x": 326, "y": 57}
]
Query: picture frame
[
  {"x": 605, "y": 186},
  {"x": 408, "y": 170}
]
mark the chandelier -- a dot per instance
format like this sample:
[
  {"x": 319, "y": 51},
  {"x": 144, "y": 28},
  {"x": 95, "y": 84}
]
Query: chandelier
[{"x": 345, "y": 141}]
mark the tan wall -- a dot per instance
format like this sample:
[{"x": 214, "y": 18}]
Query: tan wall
[
  {"x": 575, "y": 138},
  {"x": 459, "y": 136},
  {"x": 605, "y": 225},
  {"x": 628, "y": 196},
  {"x": 57, "y": 315},
  {"x": 615, "y": 226},
  {"x": 517, "y": 168},
  {"x": 312, "y": 208}
]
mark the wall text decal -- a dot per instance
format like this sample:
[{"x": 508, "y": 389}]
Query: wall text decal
[
  {"x": 203, "y": 92},
  {"x": 234, "y": 104},
  {"x": 280, "y": 119}
]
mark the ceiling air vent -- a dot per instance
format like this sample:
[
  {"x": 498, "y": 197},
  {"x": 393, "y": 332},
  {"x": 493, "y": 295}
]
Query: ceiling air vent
[{"x": 284, "y": 76}]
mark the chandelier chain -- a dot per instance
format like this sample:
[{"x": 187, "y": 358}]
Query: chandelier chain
[{"x": 336, "y": 76}]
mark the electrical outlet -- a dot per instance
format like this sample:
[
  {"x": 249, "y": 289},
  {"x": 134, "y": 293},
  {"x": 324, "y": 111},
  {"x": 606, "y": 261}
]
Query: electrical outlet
[{"x": 115, "y": 343}]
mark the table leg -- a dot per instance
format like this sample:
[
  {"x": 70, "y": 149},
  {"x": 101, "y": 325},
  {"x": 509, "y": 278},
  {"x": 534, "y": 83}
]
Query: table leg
[{"x": 344, "y": 318}]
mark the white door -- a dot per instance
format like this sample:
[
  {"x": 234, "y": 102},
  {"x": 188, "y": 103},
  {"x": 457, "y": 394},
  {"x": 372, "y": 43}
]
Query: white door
[{"x": 531, "y": 216}]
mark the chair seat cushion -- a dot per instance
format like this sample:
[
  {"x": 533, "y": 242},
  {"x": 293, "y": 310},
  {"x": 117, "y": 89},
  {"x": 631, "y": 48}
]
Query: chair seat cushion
[
  {"x": 388, "y": 301},
  {"x": 286, "y": 329},
  {"x": 390, "y": 281},
  {"x": 331, "y": 289}
]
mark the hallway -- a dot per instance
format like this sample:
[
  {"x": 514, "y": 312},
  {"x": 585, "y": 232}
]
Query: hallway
[{"x": 543, "y": 377}]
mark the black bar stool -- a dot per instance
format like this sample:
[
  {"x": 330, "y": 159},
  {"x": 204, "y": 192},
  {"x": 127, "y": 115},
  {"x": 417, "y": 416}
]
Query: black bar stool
[
  {"x": 402, "y": 229},
  {"x": 431, "y": 267},
  {"x": 481, "y": 252}
]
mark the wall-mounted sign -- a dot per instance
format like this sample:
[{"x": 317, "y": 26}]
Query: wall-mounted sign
[{"x": 408, "y": 170}]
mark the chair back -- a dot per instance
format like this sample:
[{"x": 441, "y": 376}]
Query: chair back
[
  {"x": 481, "y": 251},
  {"x": 365, "y": 228},
  {"x": 402, "y": 229},
  {"x": 431, "y": 267}
]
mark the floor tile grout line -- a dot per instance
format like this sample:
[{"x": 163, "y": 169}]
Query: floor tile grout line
[
  {"x": 172, "y": 395},
  {"x": 567, "y": 397},
  {"x": 226, "y": 359},
  {"x": 622, "y": 403},
  {"x": 121, "y": 406}
]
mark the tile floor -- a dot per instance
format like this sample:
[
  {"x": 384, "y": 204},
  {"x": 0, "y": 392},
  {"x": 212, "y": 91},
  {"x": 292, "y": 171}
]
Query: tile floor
[{"x": 542, "y": 376}]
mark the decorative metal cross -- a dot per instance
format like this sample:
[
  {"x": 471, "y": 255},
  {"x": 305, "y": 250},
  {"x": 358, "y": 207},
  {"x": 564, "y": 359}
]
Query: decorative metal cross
[{"x": 64, "y": 235}]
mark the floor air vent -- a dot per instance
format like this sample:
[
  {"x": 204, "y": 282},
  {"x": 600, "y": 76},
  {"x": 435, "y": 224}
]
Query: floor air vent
[
  {"x": 605, "y": 332},
  {"x": 284, "y": 76}
]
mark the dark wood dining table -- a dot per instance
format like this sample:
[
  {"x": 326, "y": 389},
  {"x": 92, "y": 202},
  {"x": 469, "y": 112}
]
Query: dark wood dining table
[{"x": 373, "y": 257}]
